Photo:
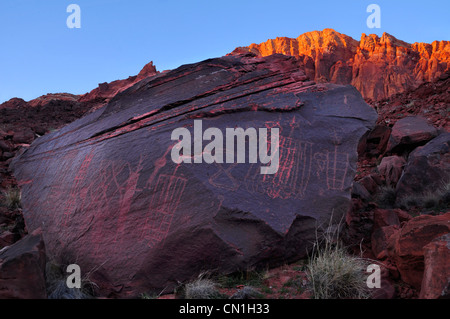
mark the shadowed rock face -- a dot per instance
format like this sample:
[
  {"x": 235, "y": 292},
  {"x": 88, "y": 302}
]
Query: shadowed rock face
[{"x": 108, "y": 196}]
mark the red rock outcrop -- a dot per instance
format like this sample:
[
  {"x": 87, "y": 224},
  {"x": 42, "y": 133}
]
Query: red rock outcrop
[
  {"x": 408, "y": 245},
  {"x": 93, "y": 99},
  {"x": 13, "y": 103},
  {"x": 378, "y": 67},
  {"x": 430, "y": 100},
  {"x": 436, "y": 278},
  {"x": 410, "y": 79},
  {"x": 53, "y": 98},
  {"x": 106, "y": 91}
]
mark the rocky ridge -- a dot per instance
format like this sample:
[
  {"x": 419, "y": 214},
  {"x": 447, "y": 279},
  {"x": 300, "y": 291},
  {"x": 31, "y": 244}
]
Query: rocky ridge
[{"x": 379, "y": 67}]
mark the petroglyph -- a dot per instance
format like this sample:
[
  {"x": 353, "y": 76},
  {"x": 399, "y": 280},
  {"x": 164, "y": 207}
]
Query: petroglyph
[
  {"x": 293, "y": 175},
  {"x": 333, "y": 164},
  {"x": 166, "y": 198},
  {"x": 224, "y": 179},
  {"x": 113, "y": 190},
  {"x": 77, "y": 194}
]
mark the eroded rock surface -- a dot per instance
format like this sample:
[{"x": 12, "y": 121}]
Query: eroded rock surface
[{"x": 108, "y": 196}]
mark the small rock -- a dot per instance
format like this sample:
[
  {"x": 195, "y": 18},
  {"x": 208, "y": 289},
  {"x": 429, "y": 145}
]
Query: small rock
[
  {"x": 4, "y": 146},
  {"x": 359, "y": 191},
  {"x": 387, "y": 289},
  {"x": 8, "y": 155},
  {"x": 374, "y": 143},
  {"x": 385, "y": 217},
  {"x": 6, "y": 239},
  {"x": 25, "y": 136},
  {"x": 391, "y": 167},
  {"x": 371, "y": 183},
  {"x": 380, "y": 238}
]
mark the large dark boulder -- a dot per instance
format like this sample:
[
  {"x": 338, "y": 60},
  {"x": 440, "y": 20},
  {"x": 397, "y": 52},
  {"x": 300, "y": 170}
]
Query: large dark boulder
[
  {"x": 427, "y": 170},
  {"x": 109, "y": 197},
  {"x": 408, "y": 133},
  {"x": 22, "y": 269}
]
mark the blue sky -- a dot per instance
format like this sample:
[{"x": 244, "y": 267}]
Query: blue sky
[{"x": 40, "y": 55}]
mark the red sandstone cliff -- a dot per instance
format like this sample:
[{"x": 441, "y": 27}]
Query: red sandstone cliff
[{"x": 378, "y": 67}]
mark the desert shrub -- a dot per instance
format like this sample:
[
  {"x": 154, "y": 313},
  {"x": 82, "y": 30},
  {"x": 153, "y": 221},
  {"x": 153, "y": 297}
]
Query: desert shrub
[
  {"x": 148, "y": 296},
  {"x": 438, "y": 199},
  {"x": 57, "y": 286},
  {"x": 408, "y": 202},
  {"x": 251, "y": 278},
  {"x": 386, "y": 196},
  {"x": 247, "y": 292},
  {"x": 445, "y": 194},
  {"x": 335, "y": 274},
  {"x": 200, "y": 288},
  {"x": 430, "y": 200},
  {"x": 12, "y": 197},
  {"x": 59, "y": 290}
]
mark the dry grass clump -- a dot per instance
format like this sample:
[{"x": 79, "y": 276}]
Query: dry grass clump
[
  {"x": 247, "y": 292},
  {"x": 201, "y": 288},
  {"x": 437, "y": 200},
  {"x": 335, "y": 274},
  {"x": 12, "y": 197},
  {"x": 385, "y": 198},
  {"x": 56, "y": 281}
]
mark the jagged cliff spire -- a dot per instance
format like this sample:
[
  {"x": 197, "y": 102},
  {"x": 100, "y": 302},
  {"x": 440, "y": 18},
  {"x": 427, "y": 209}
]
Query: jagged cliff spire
[{"x": 378, "y": 67}]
